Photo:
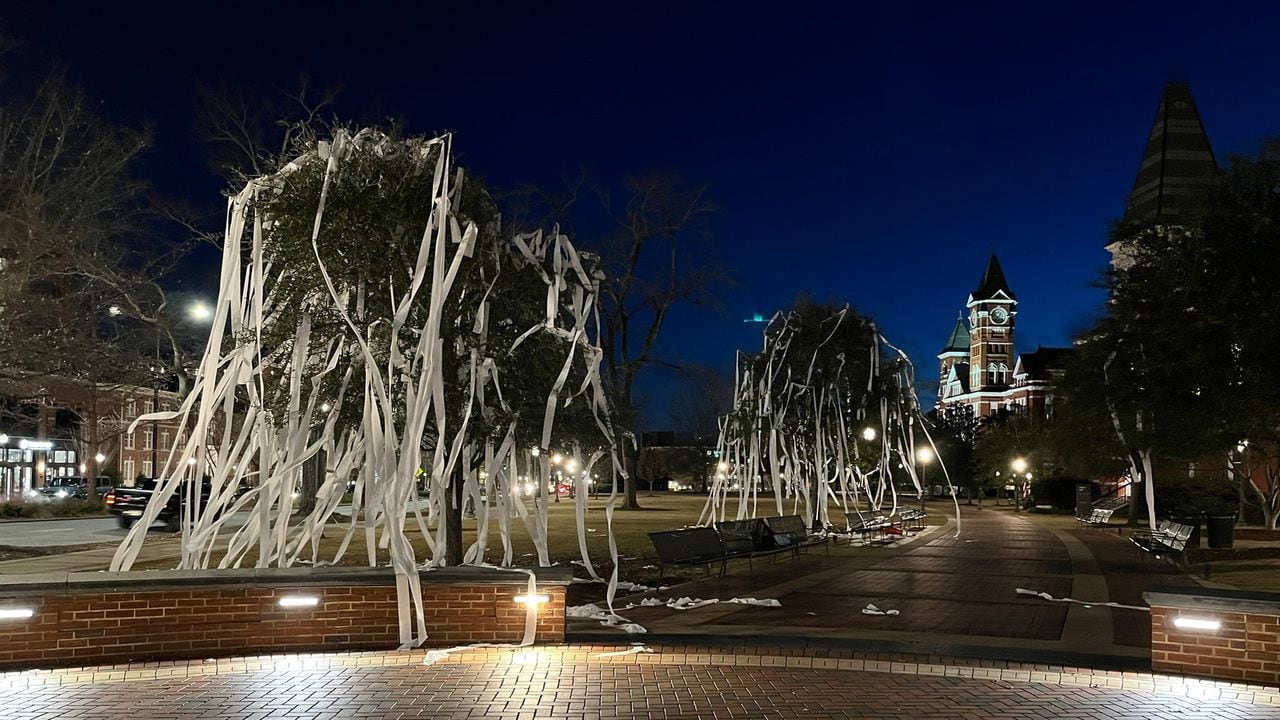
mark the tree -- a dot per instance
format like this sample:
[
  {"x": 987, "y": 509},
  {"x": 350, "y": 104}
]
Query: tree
[
  {"x": 495, "y": 333},
  {"x": 651, "y": 264},
  {"x": 86, "y": 295},
  {"x": 705, "y": 396}
]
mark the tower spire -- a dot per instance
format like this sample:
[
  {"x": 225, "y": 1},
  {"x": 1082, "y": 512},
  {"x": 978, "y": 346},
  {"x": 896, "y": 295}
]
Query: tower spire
[
  {"x": 992, "y": 282},
  {"x": 1176, "y": 163}
]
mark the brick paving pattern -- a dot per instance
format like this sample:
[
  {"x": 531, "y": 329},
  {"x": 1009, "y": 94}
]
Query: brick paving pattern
[
  {"x": 1129, "y": 572},
  {"x": 605, "y": 682},
  {"x": 949, "y": 585}
]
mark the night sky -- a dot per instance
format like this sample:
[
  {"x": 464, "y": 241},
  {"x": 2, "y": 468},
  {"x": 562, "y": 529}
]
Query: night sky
[{"x": 873, "y": 155}]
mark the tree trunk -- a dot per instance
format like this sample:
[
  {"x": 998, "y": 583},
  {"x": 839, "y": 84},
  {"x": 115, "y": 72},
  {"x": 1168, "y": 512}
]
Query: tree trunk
[
  {"x": 312, "y": 479},
  {"x": 453, "y": 519},
  {"x": 91, "y": 456},
  {"x": 629, "y": 455}
]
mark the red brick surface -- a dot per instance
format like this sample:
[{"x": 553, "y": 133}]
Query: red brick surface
[
  {"x": 83, "y": 629},
  {"x": 1245, "y": 647}
]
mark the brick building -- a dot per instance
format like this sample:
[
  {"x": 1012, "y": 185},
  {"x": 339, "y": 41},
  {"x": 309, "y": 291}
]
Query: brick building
[
  {"x": 978, "y": 371},
  {"x": 60, "y": 427}
]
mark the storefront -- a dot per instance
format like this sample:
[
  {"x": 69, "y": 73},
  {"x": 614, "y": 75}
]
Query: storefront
[{"x": 25, "y": 463}]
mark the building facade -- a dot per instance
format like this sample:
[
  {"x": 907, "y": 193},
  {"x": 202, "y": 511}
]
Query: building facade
[
  {"x": 62, "y": 427},
  {"x": 979, "y": 374}
]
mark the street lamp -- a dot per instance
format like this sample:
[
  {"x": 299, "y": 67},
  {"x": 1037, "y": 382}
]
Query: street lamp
[
  {"x": 869, "y": 434},
  {"x": 199, "y": 311},
  {"x": 1019, "y": 466},
  {"x": 924, "y": 456}
]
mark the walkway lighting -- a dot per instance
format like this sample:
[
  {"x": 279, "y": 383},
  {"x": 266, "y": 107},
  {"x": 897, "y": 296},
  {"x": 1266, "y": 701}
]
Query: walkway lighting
[
  {"x": 531, "y": 599},
  {"x": 925, "y": 455},
  {"x": 1196, "y": 623},
  {"x": 1019, "y": 465},
  {"x": 16, "y": 613},
  {"x": 295, "y": 601},
  {"x": 869, "y": 434}
]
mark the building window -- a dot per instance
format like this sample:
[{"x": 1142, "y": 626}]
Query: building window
[
  {"x": 131, "y": 409},
  {"x": 128, "y": 441},
  {"x": 146, "y": 439},
  {"x": 148, "y": 406},
  {"x": 164, "y": 438},
  {"x": 146, "y": 468},
  {"x": 128, "y": 472}
]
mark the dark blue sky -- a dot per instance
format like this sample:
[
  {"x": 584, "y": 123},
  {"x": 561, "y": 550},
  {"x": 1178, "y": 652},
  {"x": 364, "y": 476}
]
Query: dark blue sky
[{"x": 874, "y": 153}]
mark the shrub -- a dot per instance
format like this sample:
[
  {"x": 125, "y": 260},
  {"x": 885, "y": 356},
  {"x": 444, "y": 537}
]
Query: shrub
[
  {"x": 1189, "y": 497},
  {"x": 1056, "y": 490}
]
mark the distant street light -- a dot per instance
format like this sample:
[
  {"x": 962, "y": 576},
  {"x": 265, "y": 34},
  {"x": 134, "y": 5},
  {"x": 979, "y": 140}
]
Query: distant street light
[
  {"x": 869, "y": 434},
  {"x": 1019, "y": 465},
  {"x": 925, "y": 456},
  {"x": 199, "y": 312},
  {"x": 114, "y": 311},
  {"x": 100, "y": 458}
]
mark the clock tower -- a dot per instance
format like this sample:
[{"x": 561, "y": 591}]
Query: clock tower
[{"x": 992, "y": 307}]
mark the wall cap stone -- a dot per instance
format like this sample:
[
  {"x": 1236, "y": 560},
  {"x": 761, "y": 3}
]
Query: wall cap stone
[
  {"x": 1215, "y": 599},
  {"x": 19, "y": 585}
]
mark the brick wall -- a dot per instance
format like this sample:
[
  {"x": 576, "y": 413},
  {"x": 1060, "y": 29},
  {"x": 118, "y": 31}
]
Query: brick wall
[
  {"x": 1244, "y": 646},
  {"x": 129, "y": 622}
]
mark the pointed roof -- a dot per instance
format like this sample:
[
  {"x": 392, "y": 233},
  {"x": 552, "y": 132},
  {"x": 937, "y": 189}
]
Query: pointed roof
[
  {"x": 1176, "y": 163},
  {"x": 992, "y": 282},
  {"x": 959, "y": 340}
]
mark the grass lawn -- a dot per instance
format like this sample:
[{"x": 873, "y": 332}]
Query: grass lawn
[{"x": 631, "y": 528}]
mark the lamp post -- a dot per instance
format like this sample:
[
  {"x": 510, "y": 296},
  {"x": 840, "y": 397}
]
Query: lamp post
[
  {"x": 1019, "y": 467},
  {"x": 924, "y": 456}
]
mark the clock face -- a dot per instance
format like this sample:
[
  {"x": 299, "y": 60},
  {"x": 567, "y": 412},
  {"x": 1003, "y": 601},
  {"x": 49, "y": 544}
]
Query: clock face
[{"x": 999, "y": 316}]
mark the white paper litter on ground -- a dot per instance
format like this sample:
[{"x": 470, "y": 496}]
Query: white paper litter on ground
[
  {"x": 1086, "y": 603},
  {"x": 873, "y": 610},
  {"x": 591, "y": 611},
  {"x": 633, "y": 650}
]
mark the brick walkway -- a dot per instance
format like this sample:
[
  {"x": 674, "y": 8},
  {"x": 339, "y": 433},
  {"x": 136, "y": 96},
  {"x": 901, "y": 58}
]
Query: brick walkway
[{"x": 606, "y": 682}]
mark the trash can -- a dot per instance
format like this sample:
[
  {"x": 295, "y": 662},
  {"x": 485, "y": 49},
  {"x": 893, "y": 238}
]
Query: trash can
[
  {"x": 1221, "y": 529},
  {"x": 1194, "y": 522}
]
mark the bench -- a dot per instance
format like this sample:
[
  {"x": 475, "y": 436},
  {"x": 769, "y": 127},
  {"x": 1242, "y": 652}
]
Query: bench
[
  {"x": 1097, "y": 518},
  {"x": 694, "y": 547},
  {"x": 789, "y": 531},
  {"x": 1169, "y": 540},
  {"x": 868, "y": 526},
  {"x": 750, "y": 539},
  {"x": 912, "y": 519}
]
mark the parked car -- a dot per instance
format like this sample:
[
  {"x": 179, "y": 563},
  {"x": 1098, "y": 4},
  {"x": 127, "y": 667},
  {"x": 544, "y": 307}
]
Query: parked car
[{"x": 73, "y": 487}]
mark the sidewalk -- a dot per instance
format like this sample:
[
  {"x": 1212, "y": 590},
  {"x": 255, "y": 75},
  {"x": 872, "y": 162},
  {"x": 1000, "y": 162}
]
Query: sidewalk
[
  {"x": 600, "y": 682},
  {"x": 89, "y": 560},
  {"x": 955, "y": 595}
]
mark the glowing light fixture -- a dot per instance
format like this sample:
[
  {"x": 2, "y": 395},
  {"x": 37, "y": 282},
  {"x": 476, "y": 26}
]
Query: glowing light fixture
[
  {"x": 869, "y": 434},
  {"x": 325, "y": 407},
  {"x": 925, "y": 455},
  {"x": 294, "y": 601},
  {"x": 535, "y": 451},
  {"x": 99, "y": 458},
  {"x": 531, "y": 599},
  {"x": 16, "y": 613},
  {"x": 199, "y": 311},
  {"x": 1196, "y": 623},
  {"x": 1019, "y": 465}
]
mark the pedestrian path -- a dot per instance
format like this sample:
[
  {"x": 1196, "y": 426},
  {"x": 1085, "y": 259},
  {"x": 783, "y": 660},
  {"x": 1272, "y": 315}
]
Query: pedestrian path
[
  {"x": 953, "y": 593},
  {"x": 603, "y": 682}
]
